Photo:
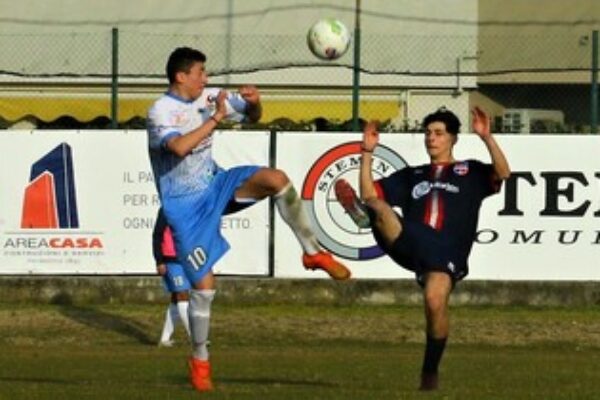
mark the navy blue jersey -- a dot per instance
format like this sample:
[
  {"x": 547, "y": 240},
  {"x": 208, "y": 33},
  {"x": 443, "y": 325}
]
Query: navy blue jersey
[{"x": 446, "y": 197}]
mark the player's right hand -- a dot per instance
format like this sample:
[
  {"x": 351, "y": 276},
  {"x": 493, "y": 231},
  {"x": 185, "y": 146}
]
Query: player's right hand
[
  {"x": 221, "y": 111},
  {"x": 370, "y": 135},
  {"x": 161, "y": 269}
]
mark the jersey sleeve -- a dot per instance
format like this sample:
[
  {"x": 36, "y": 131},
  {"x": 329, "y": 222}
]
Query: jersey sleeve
[
  {"x": 236, "y": 107},
  {"x": 487, "y": 179},
  {"x": 160, "y": 126},
  {"x": 394, "y": 189}
]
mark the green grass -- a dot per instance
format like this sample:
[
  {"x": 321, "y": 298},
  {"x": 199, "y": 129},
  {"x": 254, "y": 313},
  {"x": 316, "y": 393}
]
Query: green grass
[{"x": 299, "y": 352}]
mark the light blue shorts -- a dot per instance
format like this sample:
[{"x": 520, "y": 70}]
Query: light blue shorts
[
  {"x": 196, "y": 221},
  {"x": 175, "y": 280}
]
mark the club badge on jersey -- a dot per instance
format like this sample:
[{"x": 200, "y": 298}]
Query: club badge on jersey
[{"x": 461, "y": 168}]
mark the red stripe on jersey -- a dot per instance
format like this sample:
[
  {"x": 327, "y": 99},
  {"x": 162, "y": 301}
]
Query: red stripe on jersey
[
  {"x": 428, "y": 206},
  {"x": 441, "y": 217},
  {"x": 429, "y": 199},
  {"x": 434, "y": 208},
  {"x": 441, "y": 203}
]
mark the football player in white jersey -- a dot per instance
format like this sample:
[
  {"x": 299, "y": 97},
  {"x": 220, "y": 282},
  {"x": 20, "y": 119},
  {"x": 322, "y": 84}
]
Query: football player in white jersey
[{"x": 195, "y": 192}]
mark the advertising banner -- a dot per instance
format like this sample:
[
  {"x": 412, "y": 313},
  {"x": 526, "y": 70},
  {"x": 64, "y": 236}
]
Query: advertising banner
[
  {"x": 543, "y": 225},
  {"x": 84, "y": 202}
]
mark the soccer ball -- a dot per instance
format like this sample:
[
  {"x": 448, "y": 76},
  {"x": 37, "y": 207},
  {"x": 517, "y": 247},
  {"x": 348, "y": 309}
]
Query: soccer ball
[{"x": 328, "y": 39}]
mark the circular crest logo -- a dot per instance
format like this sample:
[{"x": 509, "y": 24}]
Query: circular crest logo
[
  {"x": 333, "y": 227},
  {"x": 421, "y": 189},
  {"x": 461, "y": 168}
]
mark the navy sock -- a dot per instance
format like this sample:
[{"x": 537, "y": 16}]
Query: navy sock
[{"x": 433, "y": 354}]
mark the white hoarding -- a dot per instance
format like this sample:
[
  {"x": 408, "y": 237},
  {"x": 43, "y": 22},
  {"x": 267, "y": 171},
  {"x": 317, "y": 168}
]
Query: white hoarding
[
  {"x": 543, "y": 225},
  {"x": 98, "y": 203}
]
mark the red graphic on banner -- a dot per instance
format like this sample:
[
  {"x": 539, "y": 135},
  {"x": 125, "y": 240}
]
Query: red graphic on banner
[{"x": 39, "y": 203}]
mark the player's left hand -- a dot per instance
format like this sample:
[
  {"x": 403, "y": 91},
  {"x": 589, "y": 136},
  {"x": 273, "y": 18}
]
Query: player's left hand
[
  {"x": 481, "y": 123},
  {"x": 250, "y": 94}
]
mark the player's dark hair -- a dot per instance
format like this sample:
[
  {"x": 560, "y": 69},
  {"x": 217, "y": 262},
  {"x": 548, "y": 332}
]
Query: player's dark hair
[
  {"x": 447, "y": 117},
  {"x": 181, "y": 60}
]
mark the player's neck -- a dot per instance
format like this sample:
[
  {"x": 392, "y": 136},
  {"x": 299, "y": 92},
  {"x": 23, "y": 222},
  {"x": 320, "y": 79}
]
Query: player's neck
[
  {"x": 443, "y": 159},
  {"x": 180, "y": 92}
]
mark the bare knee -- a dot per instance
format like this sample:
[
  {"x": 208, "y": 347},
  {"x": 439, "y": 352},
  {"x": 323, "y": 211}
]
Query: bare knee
[
  {"x": 278, "y": 179},
  {"x": 271, "y": 181},
  {"x": 437, "y": 291},
  {"x": 435, "y": 303},
  {"x": 265, "y": 182}
]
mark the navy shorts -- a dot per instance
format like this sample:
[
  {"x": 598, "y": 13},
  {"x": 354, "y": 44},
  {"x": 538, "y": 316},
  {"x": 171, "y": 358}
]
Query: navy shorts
[{"x": 422, "y": 249}]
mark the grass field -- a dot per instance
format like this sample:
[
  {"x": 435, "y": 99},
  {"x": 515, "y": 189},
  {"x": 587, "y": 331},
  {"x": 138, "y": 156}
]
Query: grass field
[{"x": 299, "y": 352}]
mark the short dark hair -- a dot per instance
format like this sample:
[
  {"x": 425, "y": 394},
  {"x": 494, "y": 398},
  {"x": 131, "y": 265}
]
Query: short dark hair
[
  {"x": 447, "y": 117},
  {"x": 181, "y": 60}
]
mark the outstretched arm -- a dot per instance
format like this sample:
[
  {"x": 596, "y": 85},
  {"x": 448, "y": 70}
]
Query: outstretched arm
[
  {"x": 370, "y": 140},
  {"x": 481, "y": 126},
  {"x": 252, "y": 97}
]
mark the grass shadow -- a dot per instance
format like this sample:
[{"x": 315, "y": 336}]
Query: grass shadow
[
  {"x": 110, "y": 322},
  {"x": 180, "y": 379},
  {"x": 17, "y": 380},
  {"x": 275, "y": 381}
]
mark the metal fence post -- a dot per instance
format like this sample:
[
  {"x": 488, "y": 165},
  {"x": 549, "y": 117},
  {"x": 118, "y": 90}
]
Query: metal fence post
[
  {"x": 594, "y": 93},
  {"x": 114, "y": 98},
  {"x": 356, "y": 70}
]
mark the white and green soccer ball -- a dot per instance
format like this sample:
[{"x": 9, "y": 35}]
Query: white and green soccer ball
[{"x": 328, "y": 39}]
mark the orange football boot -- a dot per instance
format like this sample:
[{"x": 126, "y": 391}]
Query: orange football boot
[
  {"x": 325, "y": 261},
  {"x": 200, "y": 374}
]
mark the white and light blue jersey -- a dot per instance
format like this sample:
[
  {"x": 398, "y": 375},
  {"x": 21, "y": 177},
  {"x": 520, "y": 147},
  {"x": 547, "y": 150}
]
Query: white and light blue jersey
[{"x": 172, "y": 116}]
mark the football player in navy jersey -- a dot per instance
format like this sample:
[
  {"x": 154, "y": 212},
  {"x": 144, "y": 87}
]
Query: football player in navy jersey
[
  {"x": 195, "y": 192},
  {"x": 440, "y": 204},
  {"x": 174, "y": 279}
]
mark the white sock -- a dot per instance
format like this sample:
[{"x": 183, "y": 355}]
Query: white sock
[
  {"x": 292, "y": 211},
  {"x": 170, "y": 321},
  {"x": 199, "y": 311},
  {"x": 182, "y": 307}
]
